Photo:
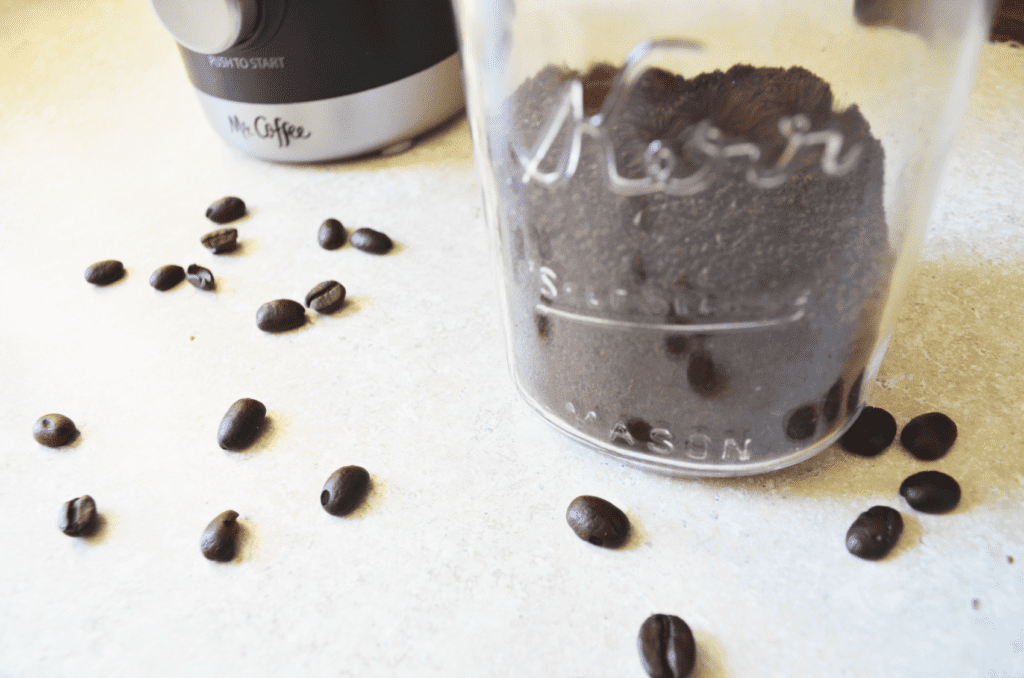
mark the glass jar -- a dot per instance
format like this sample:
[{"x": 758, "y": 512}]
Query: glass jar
[{"x": 706, "y": 213}]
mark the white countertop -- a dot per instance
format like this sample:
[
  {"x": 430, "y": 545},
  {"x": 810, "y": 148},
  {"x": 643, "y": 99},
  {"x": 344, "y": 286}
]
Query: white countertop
[{"x": 460, "y": 563}]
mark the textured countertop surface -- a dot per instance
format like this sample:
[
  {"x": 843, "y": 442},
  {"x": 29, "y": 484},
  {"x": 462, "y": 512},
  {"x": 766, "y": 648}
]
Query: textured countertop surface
[{"x": 460, "y": 563}]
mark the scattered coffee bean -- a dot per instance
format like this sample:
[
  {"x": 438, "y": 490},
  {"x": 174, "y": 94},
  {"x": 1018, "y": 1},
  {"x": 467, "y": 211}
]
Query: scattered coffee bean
[
  {"x": 242, "y": 423},
  {"x": 344, "y": 490},
  {"x": 873, "y": 431},
  {"x": 54, "y": 430},
  {"x": 220, "y": 538},
  {"x": 326, "y": 297},
  {"x": 369, "y": 240},
  {"x": 598, "y": 521},
  {"x": 929, "y": 436},
  {"x": 874, "y": 533},
  {"x": 166, "y": 277},
  {"x": 200, "y": 277},
  {"x": 667, "y": 648},
  {"x": 220, "y": 241},
  {"x": 802, "y": 423},
  {"x": 931, "y": 492},
  {"x": 225, "y": 210},
  {"x": 104, "y": 272},
  {"x": 280, "y": 315},
  {"x": 78, "y": 516},
  {"x": 331, "y": 235}
]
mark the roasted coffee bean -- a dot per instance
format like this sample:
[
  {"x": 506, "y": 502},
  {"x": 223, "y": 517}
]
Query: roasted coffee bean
[
  {"x": 225, "y": 210},
  {"x": 166, "y": 277},
  {"x": 667, "y": 648},
  {"x": 853, "y": 398},
  {"x": 54, "y": 430},
  {"x": 78, "y": 516},
  {"x": 220, "y": 241},
  {"x": 830, "y": 408},
  {"x": 929, "y": 436},
  {"x": 802, "y": 423},
  {"x": 873, "y": 431},
  {"x": 200, "y": 277},
  {"x": 369, "y": 240},
  {"x": 705, "y": 377},
  {"x": 931, "y": 492},
  {"x": 598, "y": 521},
  {"x": 874, "y": 533},
  {"x": 344, "y": 490},
  {"x": 242, "y": 423},
  {"x": 675, "y": 345},
  {"x": 220, "y": 538},
  {"x": 104, "y": 272},
  {"x": 326, "y": 297},
  {"x": 331, "y": 235},
  {"x": 280, "y": 315}
]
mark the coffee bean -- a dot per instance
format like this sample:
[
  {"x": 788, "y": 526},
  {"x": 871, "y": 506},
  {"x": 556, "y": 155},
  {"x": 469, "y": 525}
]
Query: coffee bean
[
  {"x": 78, "y": 516},
  {"x": 104, "y": 272},
  {"x": 873, "y": 431},
  {"x": 166, "y": 277},
  {"x": 667, "y": 648},
  {"x": 200, "y": 277},
  {"x": 931, "y": 492},
  {"x": 280, "y": 315},
  {"x": 802, "y": 423},
  {"x": 220, "y": 538},
  {"x": 639, "y": 429},
  {"x": 242, "y": 423},
  {"x": 369, "y": 240},
  {"x": 54, "y": 430},
  {"x": 929, "y": 436},
  {"x": 326, "y": 297},
  {"x": 675, "y": 345},
  {"x": 705, "y": 377},
  {"x": 874, "y": 533},
  {"x": 331, "y": 235},
  {"x": 344, "y": 490},
  {"x": 853, "y": 398},
  {"x": 598, "y": 521},
  {"x": 220, "y": 241},
  {"x": 830, "y": 408},
  {"x": 225, "y": 210}
]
